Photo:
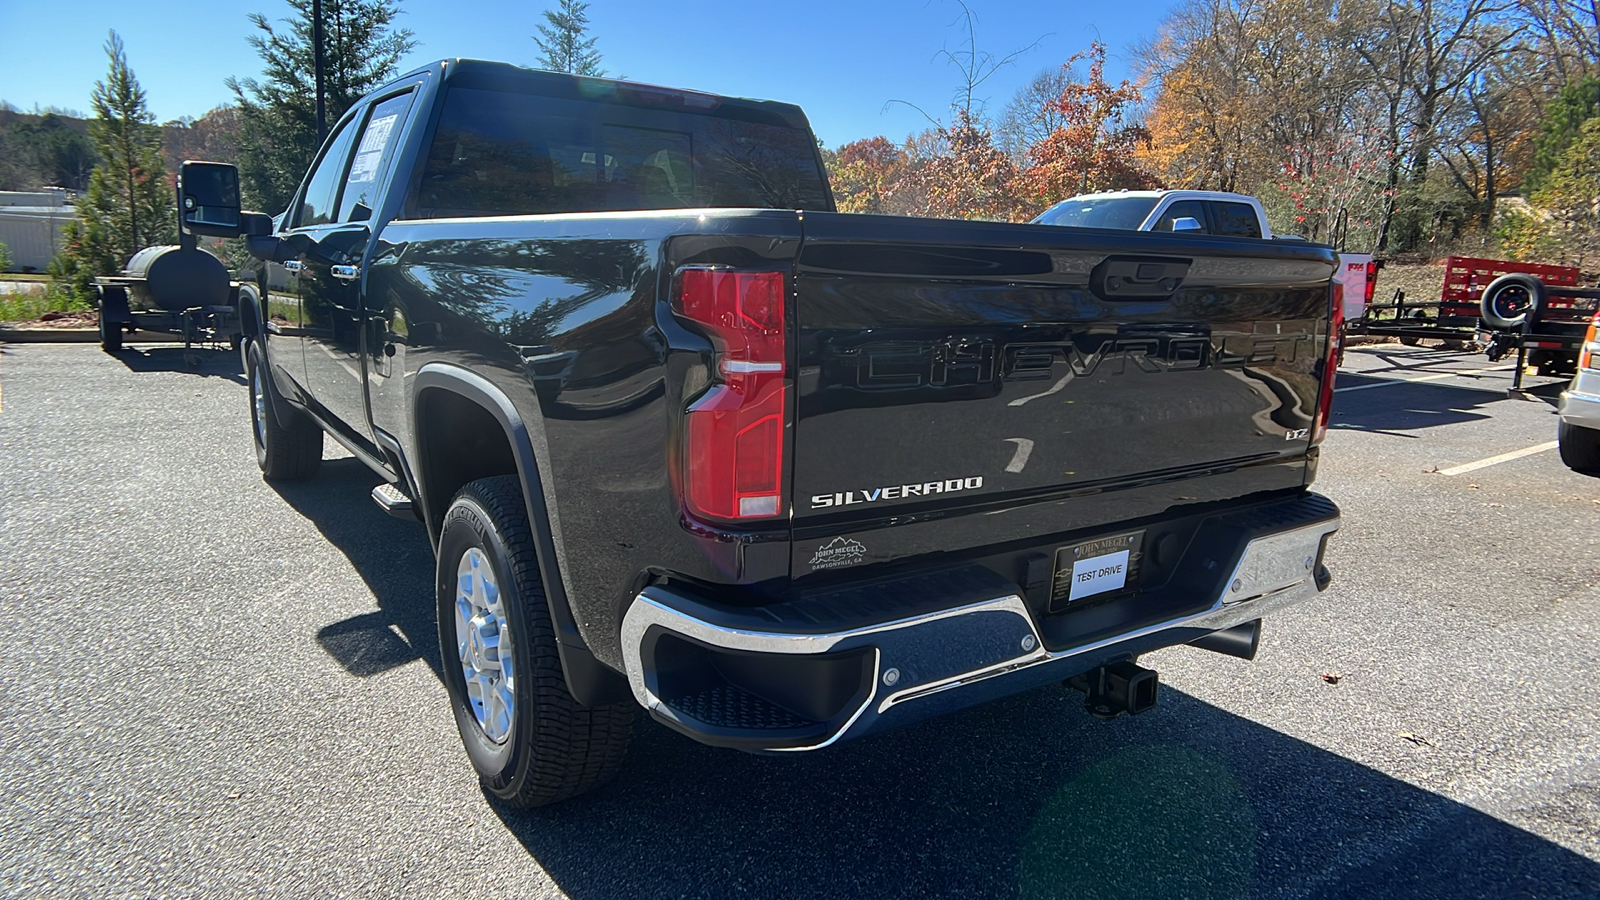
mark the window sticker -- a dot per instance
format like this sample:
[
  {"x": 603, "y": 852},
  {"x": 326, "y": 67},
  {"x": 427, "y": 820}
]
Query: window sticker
[
  {"x": 370, "y": 153},
  {"x": 377, "y": 136}
]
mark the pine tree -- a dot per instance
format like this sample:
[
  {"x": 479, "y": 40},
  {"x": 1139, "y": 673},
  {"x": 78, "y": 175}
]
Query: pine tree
[
  {"x": 362, "y": 49},
  {"x": 564, "y": 42},
  {"x": 129, "y": 204}
]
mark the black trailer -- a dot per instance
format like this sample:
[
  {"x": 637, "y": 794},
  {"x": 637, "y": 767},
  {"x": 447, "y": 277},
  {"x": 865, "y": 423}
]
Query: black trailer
[
  {"x": 180, "y": 289},
  {"x": 1544, "y": 324},
  {"x": 1537, "y": 311},
  {"x": 1410, "y": 321}
]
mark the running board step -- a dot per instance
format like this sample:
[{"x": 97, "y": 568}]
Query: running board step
[{"x": 395, "y": 502}]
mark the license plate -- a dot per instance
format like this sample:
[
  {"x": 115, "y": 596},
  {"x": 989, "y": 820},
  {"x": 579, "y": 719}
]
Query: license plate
[{"x": 1102, "y": 566}]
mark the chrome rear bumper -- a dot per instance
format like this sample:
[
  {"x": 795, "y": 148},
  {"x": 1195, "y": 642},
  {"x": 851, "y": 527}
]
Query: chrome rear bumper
[{"x": 675, "y": 649}]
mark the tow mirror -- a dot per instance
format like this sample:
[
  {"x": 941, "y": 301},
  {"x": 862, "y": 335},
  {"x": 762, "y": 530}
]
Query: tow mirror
[
  {"x": 1186, "y": 223},
  {"x": 259, "y": 240},
  {"x": 208, "y": 199}
]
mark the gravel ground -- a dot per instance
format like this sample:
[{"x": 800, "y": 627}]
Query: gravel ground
[{"x": 216, "y": 687}]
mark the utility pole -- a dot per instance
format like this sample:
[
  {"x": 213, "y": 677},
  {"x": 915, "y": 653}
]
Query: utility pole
[{"x": 316, "y": 54}]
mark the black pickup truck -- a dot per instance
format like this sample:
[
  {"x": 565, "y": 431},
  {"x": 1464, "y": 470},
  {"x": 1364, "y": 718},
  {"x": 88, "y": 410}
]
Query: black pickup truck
[{"x": 684, "y": 437}]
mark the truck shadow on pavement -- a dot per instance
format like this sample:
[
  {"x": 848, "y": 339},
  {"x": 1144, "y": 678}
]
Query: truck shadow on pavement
[
  {"x": 1407, "y": 408},
  {"x": 1026, "y": 797},
  {"x": 206, "y": 362},
  {"x": 1030, "y": 797},
  {"x": 1401, "y": 358},
  {"x": 392, "y": 556}
]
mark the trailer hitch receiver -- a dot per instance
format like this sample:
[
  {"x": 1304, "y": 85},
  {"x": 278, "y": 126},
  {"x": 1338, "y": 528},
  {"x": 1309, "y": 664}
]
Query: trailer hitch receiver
[{"x": 1120, "y": 687}]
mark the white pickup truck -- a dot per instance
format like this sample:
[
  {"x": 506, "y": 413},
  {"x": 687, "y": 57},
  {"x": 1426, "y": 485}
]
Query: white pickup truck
[{"x": 1203, "y": 212}]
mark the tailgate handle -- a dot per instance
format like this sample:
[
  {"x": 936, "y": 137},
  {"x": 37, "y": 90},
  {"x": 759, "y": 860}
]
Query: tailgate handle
[{"x": 1131, "y": 278}]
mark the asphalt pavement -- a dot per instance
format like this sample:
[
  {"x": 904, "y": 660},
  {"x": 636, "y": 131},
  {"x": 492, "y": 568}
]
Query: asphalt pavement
[{"x": 214, "y": 686}]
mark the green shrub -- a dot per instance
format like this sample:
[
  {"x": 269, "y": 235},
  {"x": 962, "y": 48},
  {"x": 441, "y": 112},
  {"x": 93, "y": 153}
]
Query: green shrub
[{"x": 28, "y": 305}]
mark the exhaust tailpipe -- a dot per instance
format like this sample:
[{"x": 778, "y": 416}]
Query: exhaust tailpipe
[{"x": 1240, "y": 640}]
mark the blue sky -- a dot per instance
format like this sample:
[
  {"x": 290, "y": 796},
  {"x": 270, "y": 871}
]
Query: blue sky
[{"x": 840, "y": 60}]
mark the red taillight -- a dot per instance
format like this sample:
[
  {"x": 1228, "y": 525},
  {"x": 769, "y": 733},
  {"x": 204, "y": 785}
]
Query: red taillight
[
  {"x": 1372, "y": 282},
  {"x": 734, "y": 431},
  {"x": 1589, "y": 353},
  {"x": 1331, "y": 364}
]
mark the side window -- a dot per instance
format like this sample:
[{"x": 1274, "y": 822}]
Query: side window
[
  {"x": 322, "y": 191},
  {"x": 373, "y": 153},
  {"x": 1236, "y": 219},
  {"x": 1193, "y": 209}
]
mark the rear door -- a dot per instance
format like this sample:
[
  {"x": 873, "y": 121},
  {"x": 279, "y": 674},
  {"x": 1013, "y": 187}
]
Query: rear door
[
  {"x": 1233, "y": 219},
  {"x": 948, "y": 367}
]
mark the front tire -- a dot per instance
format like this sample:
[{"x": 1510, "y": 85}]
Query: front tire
[
  {"x": 531, "y": 743},
  {"x": 1580, "y": 448},
  {"x": 285, "y": 450}
]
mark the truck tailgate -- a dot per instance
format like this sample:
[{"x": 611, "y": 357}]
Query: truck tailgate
[{"x": 1030, "y": 380}]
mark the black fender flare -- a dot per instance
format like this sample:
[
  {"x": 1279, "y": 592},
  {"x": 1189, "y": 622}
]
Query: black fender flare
[
  {"x": 590, "y": 681},
  {"x": 250, "y": 308}
]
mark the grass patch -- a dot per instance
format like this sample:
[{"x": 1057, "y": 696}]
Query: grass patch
[
  {"x": 26, "y": 306},
  {"x": 23, "y": 276}
]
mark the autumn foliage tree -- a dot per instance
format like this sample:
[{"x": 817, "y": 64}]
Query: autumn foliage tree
[
  {"x": 864, "y": 174},
  {"x": 1094, "y": 145},
  {"x": 1335, "y": 186},
  {"x": 1081, "y": 136},
  {"x": 969, "y": 177}
]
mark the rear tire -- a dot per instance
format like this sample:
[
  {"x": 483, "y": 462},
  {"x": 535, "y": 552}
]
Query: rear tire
[
  {"x": 531, "y": 743},
  {"x": 285, "y": 450},
  {"x": 1580, "y": 448},
  {"x": 1410, "y": 341}
]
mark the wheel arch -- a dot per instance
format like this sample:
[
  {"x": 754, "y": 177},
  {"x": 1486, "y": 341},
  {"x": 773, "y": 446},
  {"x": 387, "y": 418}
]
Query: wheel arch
[
  {"x": 251, "y": 318},
  {"x": 449, "y": 402}
]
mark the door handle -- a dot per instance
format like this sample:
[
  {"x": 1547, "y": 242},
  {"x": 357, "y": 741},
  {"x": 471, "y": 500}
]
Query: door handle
[
  {"x": 346, "y": 273},
  {"x": 293, "y": 265}
]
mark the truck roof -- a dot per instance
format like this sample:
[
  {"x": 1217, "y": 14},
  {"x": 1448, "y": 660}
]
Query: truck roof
[
  {"x": 492, "y": 75},
  {"x": 1192, "y": 195}
]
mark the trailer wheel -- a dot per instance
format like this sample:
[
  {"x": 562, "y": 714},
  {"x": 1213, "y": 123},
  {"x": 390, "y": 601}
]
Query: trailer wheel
[
  {"x": 285, "y": 450},
  {"x": 1580, "y": 448},
  {"x": 110, "y": 335},
  {"x": 113, "y": 314},
  {"x": 531, "y": 743},
  {"x": 1410, "y": 340},
  {"x": 1511, "y": 300}
]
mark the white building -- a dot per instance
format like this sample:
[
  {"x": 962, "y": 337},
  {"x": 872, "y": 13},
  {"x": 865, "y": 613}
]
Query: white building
[{"x": 31, "y": 223}]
